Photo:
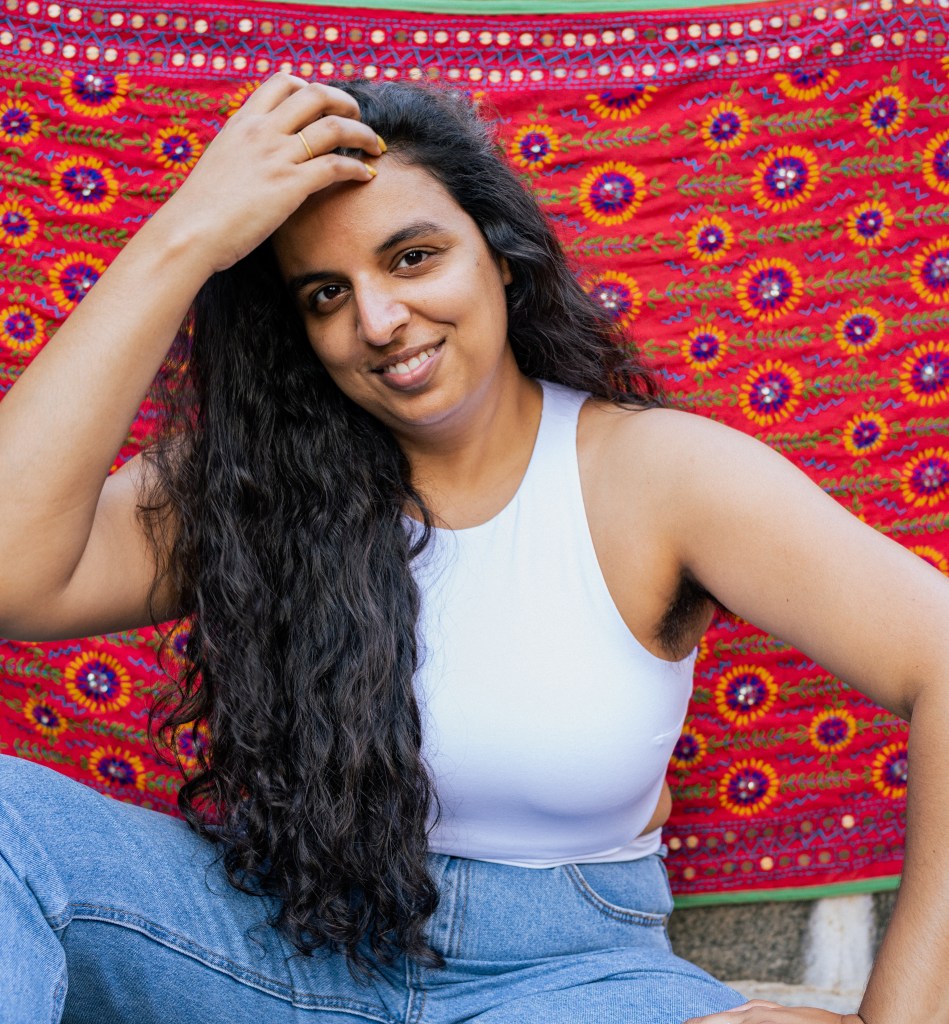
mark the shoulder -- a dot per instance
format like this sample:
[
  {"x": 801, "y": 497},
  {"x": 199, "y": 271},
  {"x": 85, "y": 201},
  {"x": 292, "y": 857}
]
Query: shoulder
[{"x": 666, "y": 449}]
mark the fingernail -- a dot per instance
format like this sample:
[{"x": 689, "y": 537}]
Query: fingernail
[
  {"x": 381, "y": 142},
  {"x": 371, "y": 169}
]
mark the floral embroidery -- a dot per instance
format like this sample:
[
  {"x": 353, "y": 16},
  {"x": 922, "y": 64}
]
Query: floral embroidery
[
  {"x": 831, "y": 730},
  {"x": 534, "y": 146},
  {"x": 769, "y": 289},
  {"x": 771, "y": 392},
  {"x": 785, "y": 179},
  {"x": 747, "y": 787},
  {"x": 95, "y": 93},
  {"x": 621, "y": 104},
  {"x": 612, "y": 193},
  {"x": 98, "y": 682},
  {"x": 890, "y": 770},
  {"x": 745, "y": 693},
  {"x": 925, "y": 478}
]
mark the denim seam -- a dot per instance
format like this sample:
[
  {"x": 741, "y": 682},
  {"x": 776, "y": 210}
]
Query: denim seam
[
  {"x": 260, "y": 982},
  {"x": 640, "y": 917},
  {"x": 415, "y": 988},
  {"x": 458, "y": 923}
]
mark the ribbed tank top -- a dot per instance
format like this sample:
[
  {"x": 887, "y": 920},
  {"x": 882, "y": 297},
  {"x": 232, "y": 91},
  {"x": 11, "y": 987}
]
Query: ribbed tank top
[{"x": 547, "y": 726}]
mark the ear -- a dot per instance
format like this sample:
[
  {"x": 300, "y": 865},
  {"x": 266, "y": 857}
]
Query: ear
[{"x": 506, "y": 276}]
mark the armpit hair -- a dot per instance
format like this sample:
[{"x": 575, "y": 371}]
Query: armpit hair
[{"x": 676, "y": 632}]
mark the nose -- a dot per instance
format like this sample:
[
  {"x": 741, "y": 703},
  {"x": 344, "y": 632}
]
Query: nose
[{"x": 380, "y": 315}]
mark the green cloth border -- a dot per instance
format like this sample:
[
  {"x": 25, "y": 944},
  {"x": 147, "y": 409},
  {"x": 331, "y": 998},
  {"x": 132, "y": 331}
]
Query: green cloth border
[
  {"x": 811, "y": 892},
  {"x": 539, "y": 7}
]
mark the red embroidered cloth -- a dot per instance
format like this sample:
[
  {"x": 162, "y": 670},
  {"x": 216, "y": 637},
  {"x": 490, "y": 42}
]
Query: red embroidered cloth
[{"x": 763, "y": 191}]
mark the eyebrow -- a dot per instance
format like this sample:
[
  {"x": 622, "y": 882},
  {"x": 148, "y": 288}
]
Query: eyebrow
[
  {"x": 400, "y": 237},
  {"x": 406, "y": 234}
]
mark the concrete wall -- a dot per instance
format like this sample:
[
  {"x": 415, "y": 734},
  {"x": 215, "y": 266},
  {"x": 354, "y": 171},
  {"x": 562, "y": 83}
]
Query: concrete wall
[{"x": 819, "y": 950}]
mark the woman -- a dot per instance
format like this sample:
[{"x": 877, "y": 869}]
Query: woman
[{"x": 443, "y": 612}]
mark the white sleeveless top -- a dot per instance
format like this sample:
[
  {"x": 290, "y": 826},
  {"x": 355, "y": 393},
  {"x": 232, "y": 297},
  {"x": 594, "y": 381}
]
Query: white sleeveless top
[{"x": 546, "y": 725}]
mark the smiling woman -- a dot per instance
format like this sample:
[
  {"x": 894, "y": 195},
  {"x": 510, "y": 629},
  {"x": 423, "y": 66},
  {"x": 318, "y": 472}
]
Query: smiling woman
[{"x": 447, "y": 560}]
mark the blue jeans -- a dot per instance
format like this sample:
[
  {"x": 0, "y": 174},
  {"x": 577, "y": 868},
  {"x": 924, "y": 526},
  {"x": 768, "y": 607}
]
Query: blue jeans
[{"x": 113, "y": 913}]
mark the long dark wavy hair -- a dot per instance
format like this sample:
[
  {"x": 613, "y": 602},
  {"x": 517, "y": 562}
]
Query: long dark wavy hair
[{"x": 284, "y": 505}]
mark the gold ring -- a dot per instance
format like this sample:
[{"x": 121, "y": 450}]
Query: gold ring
[{"x": 309, "y": 152}]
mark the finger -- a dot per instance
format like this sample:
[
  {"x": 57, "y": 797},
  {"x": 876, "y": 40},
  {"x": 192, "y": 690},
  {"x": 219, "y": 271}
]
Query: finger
[
  {"x": 271, "y": 93},
  {"x": 728, "y": 1016},
  {"x": 334, "y": 132},
  {"x": 332, "y": 168},
  {"x": 315, "y": 100}
]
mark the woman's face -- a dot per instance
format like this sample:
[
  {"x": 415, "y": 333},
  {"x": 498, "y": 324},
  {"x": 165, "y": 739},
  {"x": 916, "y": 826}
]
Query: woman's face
[{"x": 402, "y": 300}]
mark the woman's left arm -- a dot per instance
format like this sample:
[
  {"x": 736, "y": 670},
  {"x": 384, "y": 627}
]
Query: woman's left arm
[{"x": 773, "y": 548}]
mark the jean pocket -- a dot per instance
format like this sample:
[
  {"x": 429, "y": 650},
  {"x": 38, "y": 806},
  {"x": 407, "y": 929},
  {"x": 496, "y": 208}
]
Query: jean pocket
[{"x": 636, "y": 892}]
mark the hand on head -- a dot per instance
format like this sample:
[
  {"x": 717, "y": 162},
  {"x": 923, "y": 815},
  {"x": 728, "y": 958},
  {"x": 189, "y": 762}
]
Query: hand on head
[{"x": 277, "y": 150}]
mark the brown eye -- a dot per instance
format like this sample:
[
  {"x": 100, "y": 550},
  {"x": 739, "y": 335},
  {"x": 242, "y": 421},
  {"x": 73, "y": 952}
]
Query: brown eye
[
  {"x": 324, "y": 299},
  {"x": 413, "y": 257}
]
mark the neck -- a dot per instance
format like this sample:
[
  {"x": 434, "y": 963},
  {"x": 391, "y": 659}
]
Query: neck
[{"x": 469, "y": 470}]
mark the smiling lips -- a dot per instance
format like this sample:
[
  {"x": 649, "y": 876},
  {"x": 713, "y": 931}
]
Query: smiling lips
[
  {"x": 411, "y": 364},
  {"x": 411, "y": 371}
]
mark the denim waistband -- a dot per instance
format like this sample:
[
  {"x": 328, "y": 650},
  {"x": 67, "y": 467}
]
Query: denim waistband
[{"x": 491, "y": 911}]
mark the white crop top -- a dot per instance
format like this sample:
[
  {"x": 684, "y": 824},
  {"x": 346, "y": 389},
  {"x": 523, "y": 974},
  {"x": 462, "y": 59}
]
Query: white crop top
[{"x": 547, "y": 726}]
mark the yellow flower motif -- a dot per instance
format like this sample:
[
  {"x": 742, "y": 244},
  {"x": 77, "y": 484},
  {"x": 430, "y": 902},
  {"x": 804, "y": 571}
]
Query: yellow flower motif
[
  {"x": 690, "y": 750},
  {"x": 619, "y": 295},
  {"x": 611, "y": 193},
  {"x": 83, "y": 185},
  {"x": 745, "y": 693},
  {"x": 175, "y": 643},
  {"x": 177, "y": 149},
  {"x": 704, "y": 347},
  {"x": 710, "y": 239},
  {"x": 238, "y": 99},
  {"x": 769, "y": 289},
  {"x": 96, "y": 681},
  {"x": 73, "y": 276},
  {"x": 806, "y": 84},
  {"x": 770, "y": 393},
  {"x": 94, "y": 93},
  {"x": 924, "y": 479},
  {"x": 929, "y": 273},
  {"x": 19, "y": 124},
  {"x": 935, "y": 557},
  {"x": 832, "y": 730},
  {"x": 747, "y": 787},
  {"x": 116, "y": 768},
  {"x": 885, "y": 111},
  {"x": 534, "y": 146},
  {"x": 865, "y": 433},
  {"x": 859, "y": 330},
  {"x": 47, "y": 720},
  {"x": 187, "y": 746},
  {"x": 869, "y": 223},
  {"x": 924, "y": 374},
  {"x": 785, "y": 179},
  {"x": 20, "y": 329},
  {"x": 703, "y": 650},
  {"x": 725, "y": 126},
  {"x": 18, "y": 225},
  {"x": 889, "y": 770},
  {"x": 621, "y": 104},
  {"x": 936, "y": 162}
]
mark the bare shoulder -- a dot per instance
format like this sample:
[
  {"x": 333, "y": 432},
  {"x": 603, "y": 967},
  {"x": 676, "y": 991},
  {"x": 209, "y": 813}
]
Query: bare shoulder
[{"x": 663, "y": 453}]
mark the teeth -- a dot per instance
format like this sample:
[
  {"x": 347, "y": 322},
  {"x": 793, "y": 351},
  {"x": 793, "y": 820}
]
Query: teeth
[{"x": 411, "y": 364}]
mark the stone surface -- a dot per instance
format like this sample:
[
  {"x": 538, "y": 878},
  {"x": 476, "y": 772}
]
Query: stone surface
[
  {"x": 799, "y": 995},
  {"x": 764, "y": 941},
  {"x": 773, "y": 943}
]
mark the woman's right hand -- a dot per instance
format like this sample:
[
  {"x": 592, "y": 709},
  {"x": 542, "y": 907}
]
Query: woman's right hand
[{"x": 257, "y": 170}]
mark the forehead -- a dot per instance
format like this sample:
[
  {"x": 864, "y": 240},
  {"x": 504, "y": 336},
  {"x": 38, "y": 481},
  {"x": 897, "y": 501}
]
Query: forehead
[{"x": 346, "y": 219}]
